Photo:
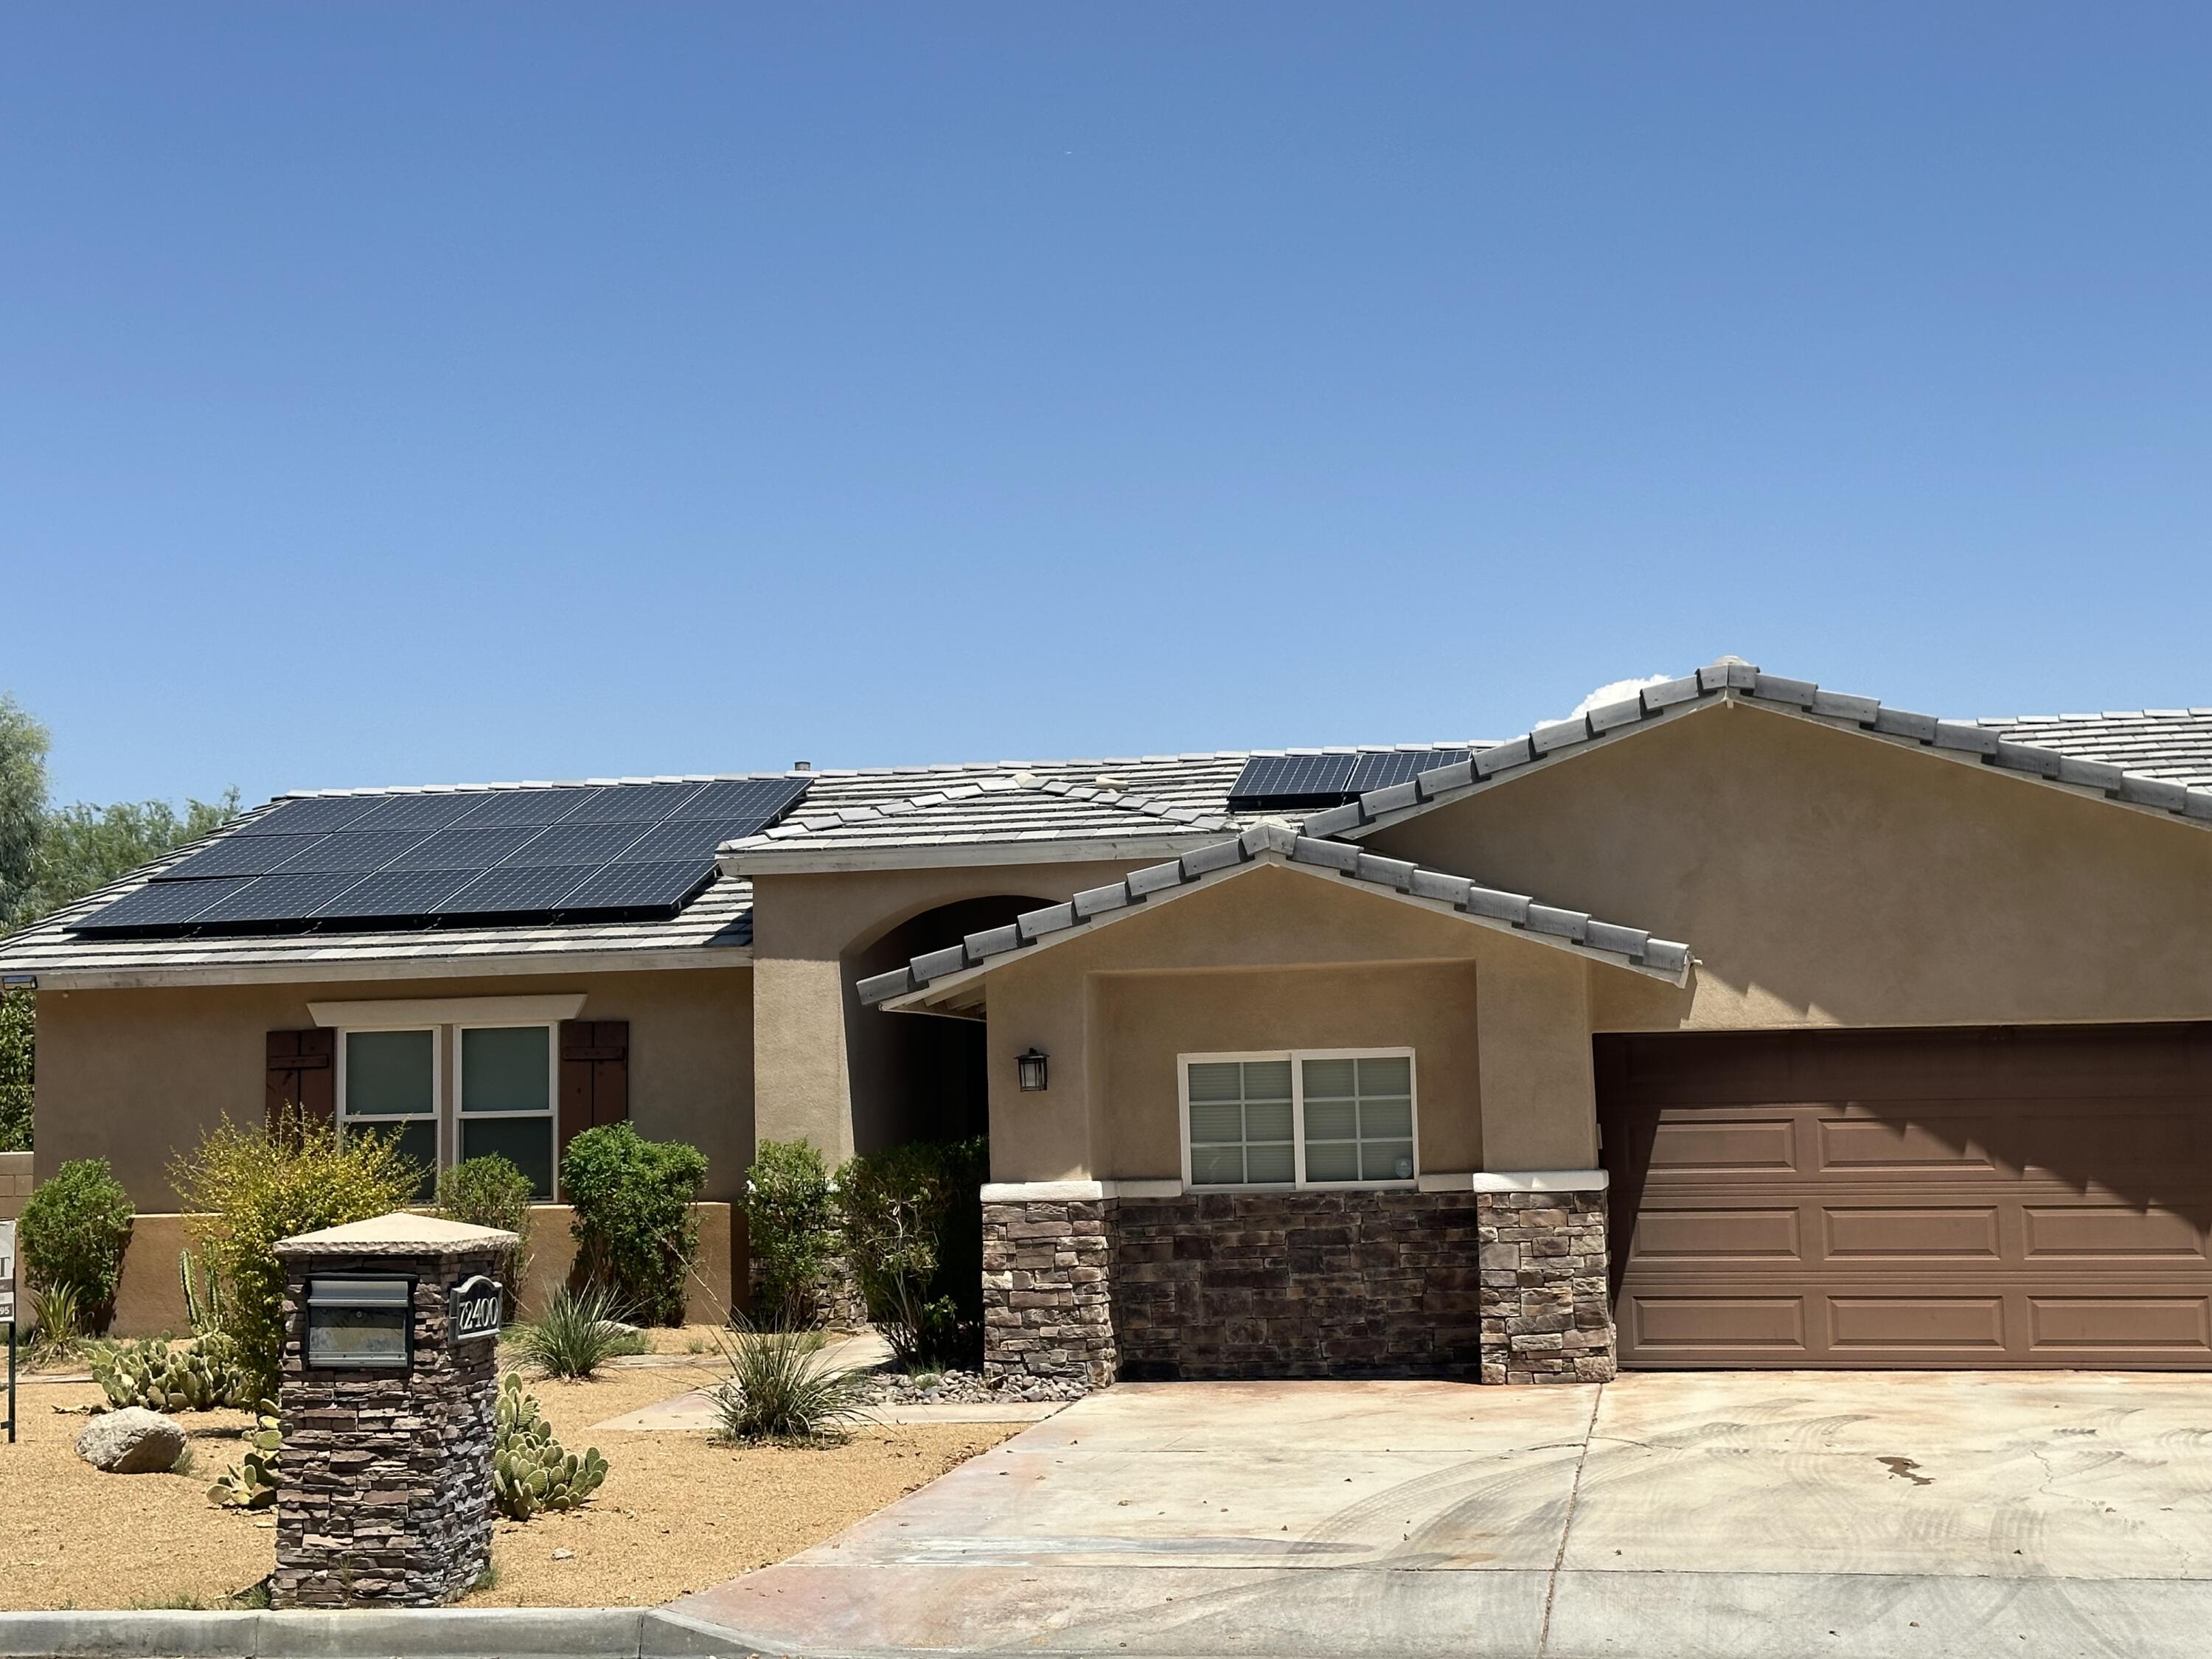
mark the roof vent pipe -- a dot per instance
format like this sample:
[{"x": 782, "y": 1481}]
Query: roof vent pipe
[{"x": 802, "y": 766}]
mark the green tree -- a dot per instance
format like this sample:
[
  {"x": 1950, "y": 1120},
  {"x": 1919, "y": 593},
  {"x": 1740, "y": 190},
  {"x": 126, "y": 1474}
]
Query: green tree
[
  {"x": 83, "y": 847},
  {"x": 23, "y": 743},
  {"x": 17, "y": 1061}
]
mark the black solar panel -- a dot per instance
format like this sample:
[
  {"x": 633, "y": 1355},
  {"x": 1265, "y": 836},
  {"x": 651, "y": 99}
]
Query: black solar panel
[
  {"x": 479, "y": 856},
  {"x": 312, "y": 814},
  {"x": 577, "y": 843},
  {"x": 357, "y": 852},
  {"x": 163, "y": 904},
  {"x": 633, "y": 803},
  {"x": 763, "y": 800},
  {"x": 665, "y": 882},
  {"x": 395, "y": 894},
  {"x": 1303, "y": 782},
  {"x": 686, "y": 839},
  {"x": 275, "y": 898},
  {"x": 431, "y": 811},
  {"x": 532, "y": 808},
  {"x": 517, "y": 888},
  {"x": 242, "y": 855},
  {"x": 463, "y": 849}
]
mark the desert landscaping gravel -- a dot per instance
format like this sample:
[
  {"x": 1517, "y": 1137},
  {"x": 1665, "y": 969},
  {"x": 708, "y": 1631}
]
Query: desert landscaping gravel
[{"x": 677, "y": 1513}]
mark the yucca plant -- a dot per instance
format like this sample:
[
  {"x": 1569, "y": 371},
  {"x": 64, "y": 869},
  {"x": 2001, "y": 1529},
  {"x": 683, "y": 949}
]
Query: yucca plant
[
  {"x": 579, "y": 1332},
  {"x": 58, "y": 1317},
  {"x": 782, "y": 1386}
]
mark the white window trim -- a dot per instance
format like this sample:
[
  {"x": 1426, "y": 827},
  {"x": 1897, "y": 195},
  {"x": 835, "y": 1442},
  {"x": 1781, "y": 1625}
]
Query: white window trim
[
  {"x": 550, "y": 1115},
  {"x": 1298, "y": 1057},
  {"x": 372, "y": 1120}
]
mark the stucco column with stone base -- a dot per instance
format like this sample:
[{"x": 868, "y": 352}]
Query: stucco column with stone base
[
  {"x": 1547, "y": 1316},
  {"x": 1048, "y": 1307}
]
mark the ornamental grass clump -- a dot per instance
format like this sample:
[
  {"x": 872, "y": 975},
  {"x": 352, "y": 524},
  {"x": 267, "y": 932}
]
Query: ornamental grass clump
[
  {"x": 245, "y": 1188},
  {"x": 72, "y": 1235},
  {"x": 579, "y": 1332},
  {"x": 783, "y": 1387}
]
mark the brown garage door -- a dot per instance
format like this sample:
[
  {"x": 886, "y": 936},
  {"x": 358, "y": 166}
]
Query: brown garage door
[{"x": 2028, "y": 1197}]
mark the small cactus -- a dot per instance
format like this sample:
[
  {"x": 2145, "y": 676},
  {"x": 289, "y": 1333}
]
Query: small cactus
[
  {"x": 197, "y": 1376},
  {"x": 252, "y": 1485},
  {"x": 202, "y": 1297},
  {"x": 529, "y": 1471}
]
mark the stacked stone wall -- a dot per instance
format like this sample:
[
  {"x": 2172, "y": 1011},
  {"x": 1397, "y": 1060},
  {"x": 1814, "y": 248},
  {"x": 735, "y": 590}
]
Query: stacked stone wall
[
  {"x": 1046, "y": 1307},
  {"x": 385, "y": 1498},
  {"x": 1547, "y": 1316}
]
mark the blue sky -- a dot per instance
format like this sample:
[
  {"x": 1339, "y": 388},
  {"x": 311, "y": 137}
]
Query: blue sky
[{"x": 395, "y": 393}]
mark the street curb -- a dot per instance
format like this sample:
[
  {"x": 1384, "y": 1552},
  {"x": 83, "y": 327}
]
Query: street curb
[{"x": 365, "y": 1633}]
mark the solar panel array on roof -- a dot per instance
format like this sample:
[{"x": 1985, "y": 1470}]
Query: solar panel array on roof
[
  {"x": 1271, "y": 783},
  {"x": 471, "y": 857}
]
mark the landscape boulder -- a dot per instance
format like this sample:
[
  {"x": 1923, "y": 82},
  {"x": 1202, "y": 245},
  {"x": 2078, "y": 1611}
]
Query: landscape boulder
[{"x": 133, "y": 1441}]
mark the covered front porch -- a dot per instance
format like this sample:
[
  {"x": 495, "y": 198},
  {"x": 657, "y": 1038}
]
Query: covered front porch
[{"x": 1290, "y": 1116}]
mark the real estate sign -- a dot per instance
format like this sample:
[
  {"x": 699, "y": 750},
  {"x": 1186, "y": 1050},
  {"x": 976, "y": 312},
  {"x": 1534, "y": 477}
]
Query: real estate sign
[{"x": 8, "y": 1271}]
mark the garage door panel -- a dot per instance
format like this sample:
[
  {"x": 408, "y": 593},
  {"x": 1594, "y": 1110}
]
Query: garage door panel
[
  {"x": 1744, "y": 1234},
  {"x": 2095, "y": 1329},
  {"x": 1701, "y": 1145},
  {"x": 1923, "y": 1198},
  {"x": 2109, "y": 1233},
  {"x": 1719, "y": 1326},
  {"x": 1895, "y": 1327},
  {"x": 1900, "y": 1234}
]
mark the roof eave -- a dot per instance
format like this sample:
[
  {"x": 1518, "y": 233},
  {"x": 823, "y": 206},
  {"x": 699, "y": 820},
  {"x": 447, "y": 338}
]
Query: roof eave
[
  {"x": 802, "y": 860},
  {"x": 446, "y": 964}
]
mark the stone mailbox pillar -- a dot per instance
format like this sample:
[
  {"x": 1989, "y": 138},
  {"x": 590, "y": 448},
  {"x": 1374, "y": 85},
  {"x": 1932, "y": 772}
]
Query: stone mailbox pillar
[{"x": 386, "y": 1397}]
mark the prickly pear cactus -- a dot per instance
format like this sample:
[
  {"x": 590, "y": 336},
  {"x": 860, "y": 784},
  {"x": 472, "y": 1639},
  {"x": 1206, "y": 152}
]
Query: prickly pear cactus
[
  {"x": 529, "y": 1471},
  {"x": 252, "y": 1485},
  {"x": 197, "y": 1376}
]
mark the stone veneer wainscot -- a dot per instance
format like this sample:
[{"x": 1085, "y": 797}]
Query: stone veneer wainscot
[{"x": 1494, "y": 1282}]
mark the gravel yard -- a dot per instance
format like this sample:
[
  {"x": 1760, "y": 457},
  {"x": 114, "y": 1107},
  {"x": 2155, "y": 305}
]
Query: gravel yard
[{"x": 678, "y": 1513}]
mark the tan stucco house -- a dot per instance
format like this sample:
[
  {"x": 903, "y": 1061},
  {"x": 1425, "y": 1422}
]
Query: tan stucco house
[{"x": 1733, "y": 1022}]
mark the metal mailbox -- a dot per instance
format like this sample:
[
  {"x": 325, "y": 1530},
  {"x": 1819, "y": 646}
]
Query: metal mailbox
[{"x": 361, "y": 1322}]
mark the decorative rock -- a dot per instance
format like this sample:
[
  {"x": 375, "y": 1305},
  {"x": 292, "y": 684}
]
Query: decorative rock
[{"x": 133, "y": 1441}]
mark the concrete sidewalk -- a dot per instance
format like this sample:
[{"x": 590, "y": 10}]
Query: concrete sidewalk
[{"x": 1759, "y": 1515}]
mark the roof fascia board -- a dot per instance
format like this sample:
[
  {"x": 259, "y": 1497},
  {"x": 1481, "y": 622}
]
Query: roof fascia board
[
  {"x": 936, "y": 990},
  {"x": 1059, "y": 849},
  {"x": 339, "y": 971}
]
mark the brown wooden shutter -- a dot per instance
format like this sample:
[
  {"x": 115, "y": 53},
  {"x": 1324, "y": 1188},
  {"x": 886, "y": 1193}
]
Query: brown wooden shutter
[
  {"x": 302, "y": 1071},
  {"x": 594, "y": 1075}
]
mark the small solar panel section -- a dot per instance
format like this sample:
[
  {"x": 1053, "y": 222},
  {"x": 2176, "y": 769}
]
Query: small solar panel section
[
  {"x": 1303, "y": 782},
  {"x": 471, "y": 857}
]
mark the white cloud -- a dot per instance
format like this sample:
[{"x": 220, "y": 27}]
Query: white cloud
[{"x": 1615, "y": 691}]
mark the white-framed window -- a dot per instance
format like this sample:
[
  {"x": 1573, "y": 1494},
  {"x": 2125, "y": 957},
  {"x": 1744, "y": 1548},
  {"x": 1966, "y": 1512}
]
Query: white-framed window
[
  {"x": 505, "y": 1090},
  {"x": 392, "y": 1081},
  {"x": 1301, "y": 1117},
  {"x": 508, "y": 1082}
]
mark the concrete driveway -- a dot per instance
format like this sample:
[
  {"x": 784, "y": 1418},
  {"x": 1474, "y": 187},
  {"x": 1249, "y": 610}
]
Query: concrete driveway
[{"x": 1760, "y": 1515}]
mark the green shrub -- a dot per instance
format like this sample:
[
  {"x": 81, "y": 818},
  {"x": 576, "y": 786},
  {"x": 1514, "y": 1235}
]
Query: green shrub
[
  {"x": 247, "y": 1188},
  {"x": 913, "y": 1237},
  {"x": 782, "y": 1386},
  {"x": 579, "y": 1332},
  {"x": 791, "y": 1231},
  {"x": 529, "y": 1471},
  {"x": 73, "y": 1231},
  {"x": 634, "y": 1230},
  {"x": 490, "y": 1192},
  {"x": 18, "y": 1053}
]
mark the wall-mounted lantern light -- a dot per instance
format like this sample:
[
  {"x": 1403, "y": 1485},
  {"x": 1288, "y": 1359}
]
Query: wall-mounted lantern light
[{"x": 1031, "y": 1064}]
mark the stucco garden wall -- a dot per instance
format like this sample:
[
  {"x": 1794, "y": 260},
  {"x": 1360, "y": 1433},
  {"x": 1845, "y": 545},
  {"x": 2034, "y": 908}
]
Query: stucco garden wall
[{"x": 137, "y": 1076}]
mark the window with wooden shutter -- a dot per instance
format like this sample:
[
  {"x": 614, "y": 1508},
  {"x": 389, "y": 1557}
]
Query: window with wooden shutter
[
  {"x": 594, "y": 1075},
  {"x": 302, "y": 1071}
]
